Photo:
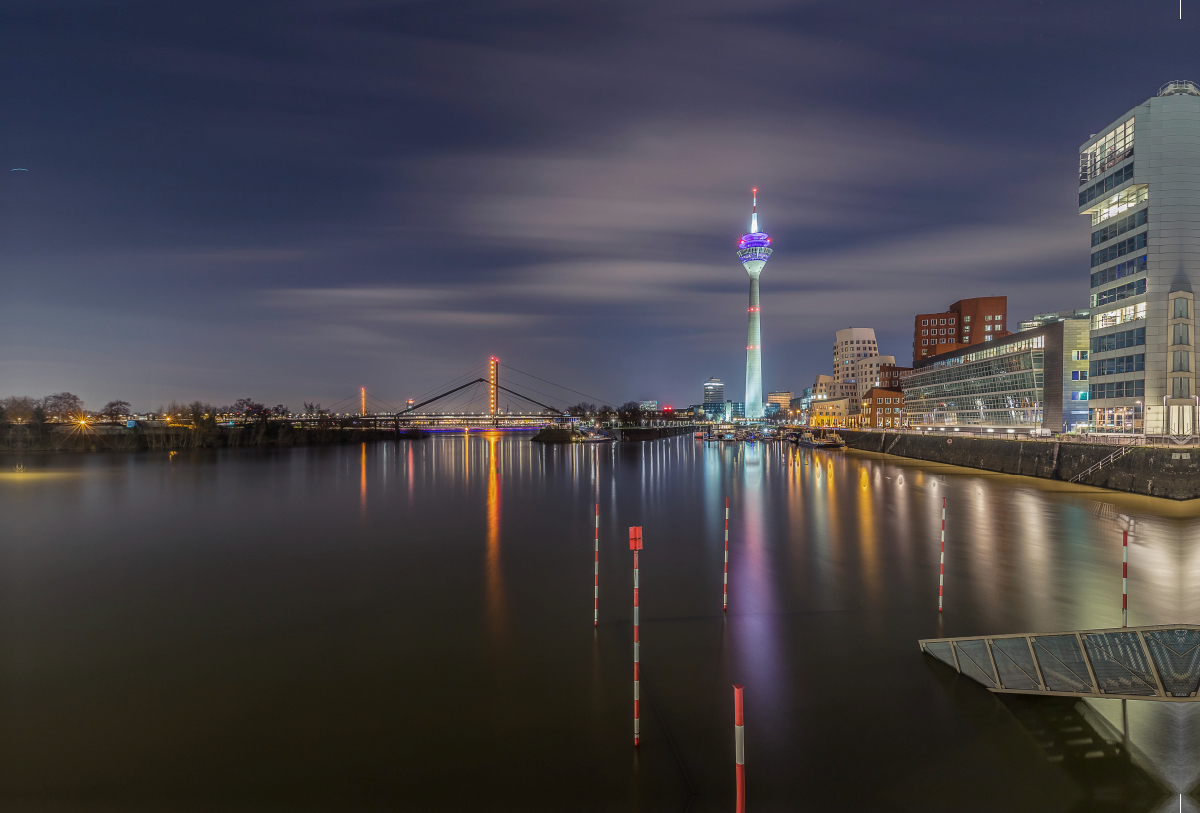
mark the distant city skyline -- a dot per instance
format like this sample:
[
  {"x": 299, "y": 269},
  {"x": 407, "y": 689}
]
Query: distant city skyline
[{"x": 289, "y": 213}]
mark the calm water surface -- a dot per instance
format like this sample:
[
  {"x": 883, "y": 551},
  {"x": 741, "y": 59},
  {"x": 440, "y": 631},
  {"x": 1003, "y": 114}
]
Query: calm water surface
[{"x": 409, "y": 627}]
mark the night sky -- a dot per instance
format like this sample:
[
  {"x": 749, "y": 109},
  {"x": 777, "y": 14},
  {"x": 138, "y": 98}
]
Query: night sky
[{"x": 287, "y": 201}]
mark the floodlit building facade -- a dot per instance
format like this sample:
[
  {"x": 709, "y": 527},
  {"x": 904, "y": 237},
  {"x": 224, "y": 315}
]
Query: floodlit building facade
[
  {"x": 830, "y": 412},
  {"x": 1033, "y": 381},
  {"x": 1144, "y": 208}
]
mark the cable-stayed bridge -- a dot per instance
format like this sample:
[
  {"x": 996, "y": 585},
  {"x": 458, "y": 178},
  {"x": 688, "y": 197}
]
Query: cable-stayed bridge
[{"x": 487, "y": 396}]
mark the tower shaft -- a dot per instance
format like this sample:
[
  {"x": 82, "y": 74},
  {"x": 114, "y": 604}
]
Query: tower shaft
[{"x": 754, "y": 405}]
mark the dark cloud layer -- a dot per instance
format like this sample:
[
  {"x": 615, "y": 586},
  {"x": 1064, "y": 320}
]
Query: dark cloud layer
[{"x": 293, "y": 200}]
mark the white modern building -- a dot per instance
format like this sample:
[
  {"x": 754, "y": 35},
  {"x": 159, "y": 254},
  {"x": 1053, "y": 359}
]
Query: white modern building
[
  {"x": 1145, "y": 264},
  {"x": 854, "y": 354},
  {"x": 754, "y": 249}
]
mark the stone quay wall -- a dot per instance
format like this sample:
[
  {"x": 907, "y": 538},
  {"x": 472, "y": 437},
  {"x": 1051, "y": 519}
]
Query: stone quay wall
[{"x": 1155, "y": 471}]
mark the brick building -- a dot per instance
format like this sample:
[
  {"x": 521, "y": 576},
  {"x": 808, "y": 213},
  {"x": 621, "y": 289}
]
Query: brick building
[
  {"x": 882, "y": 408},
  {"x": 966, "y": 322}
]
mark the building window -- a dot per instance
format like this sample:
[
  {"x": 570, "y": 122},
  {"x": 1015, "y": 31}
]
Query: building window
[
  {"x": 1119, "y": 340},
  {"x": 1120, "y": 202},
  {"x": 1079, "y": 355},
  {"x": 951, "y": 321},
  {"x": 1180, "y": 334},
  {"x": 1106, "y": 185},
  {"x": 1117, "y": 365},
  {"x": 988, "y": 318},
  {"x": 1123, "y": 292},
  {"x": 924, "y": 321},
  {"x": 1181, "y": 308},
  {"x": 988, "y": 328},
  {"x": 966, "y": 318},
  {"x": 1127, "y": 246},
  {"x": 1125, "y": 269},
  {"x": 1119, "y": 316},
  {"x": 1109, "y": 150},
  {"x": 1119, "y": 389},
  {"x": 1139, "y": 218},
  {"x": 1181, "y": 388},
  {"x": 1181, "y": 362}
]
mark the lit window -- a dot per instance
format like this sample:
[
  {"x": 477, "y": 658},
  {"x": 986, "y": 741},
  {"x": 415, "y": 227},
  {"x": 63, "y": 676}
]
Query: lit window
[
  {"x": 987, "y": 327},
  {"x": 988, "y": 317}
]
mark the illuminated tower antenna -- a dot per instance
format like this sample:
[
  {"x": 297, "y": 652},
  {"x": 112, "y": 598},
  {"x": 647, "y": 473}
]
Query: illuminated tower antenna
[{"x": 754, "y": 249}]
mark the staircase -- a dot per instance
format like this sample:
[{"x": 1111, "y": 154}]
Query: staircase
[{"x": 1118, "y": 454}]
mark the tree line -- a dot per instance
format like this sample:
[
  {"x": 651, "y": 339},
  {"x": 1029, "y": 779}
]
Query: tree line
[{"x": 65, "y": 407}]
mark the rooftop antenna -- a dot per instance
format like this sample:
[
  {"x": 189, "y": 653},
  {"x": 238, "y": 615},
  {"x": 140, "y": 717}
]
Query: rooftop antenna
[{"x": 754, "y": 211}]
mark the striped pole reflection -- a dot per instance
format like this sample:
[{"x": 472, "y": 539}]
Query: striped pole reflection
[
  {"x": 942, "y": 563},
  {"x": 635, "y": 544},
  {"x": 1125, "y": 578},
  {"x": 725, "y": 589},
  {"x": 596, "y": 573},
  {"x": 739, "y": 748}
]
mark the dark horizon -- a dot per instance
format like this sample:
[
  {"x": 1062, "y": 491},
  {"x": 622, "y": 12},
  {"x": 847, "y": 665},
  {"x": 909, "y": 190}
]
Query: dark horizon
[{"x": 288, "y": 202}]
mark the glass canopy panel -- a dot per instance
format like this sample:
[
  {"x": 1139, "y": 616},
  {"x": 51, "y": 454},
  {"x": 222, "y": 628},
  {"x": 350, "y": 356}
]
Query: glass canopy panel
[
  {"x": 1176, "y": 653},
  {"x": 975, "y": 663},
  {"x": 1120, "y": 663},
  {"x": 1063, "y": 666},
  {"x": 942, "y": 651},
  {"x": 1015, "y": 664}
]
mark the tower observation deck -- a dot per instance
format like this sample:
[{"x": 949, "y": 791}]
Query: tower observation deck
[{"x": 754, "y": 249}]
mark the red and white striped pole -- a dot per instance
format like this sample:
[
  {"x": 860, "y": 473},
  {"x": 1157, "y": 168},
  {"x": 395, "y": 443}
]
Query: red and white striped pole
[
  {"x": 635, "y": 544},
  {"x": 596, "y": 588},
  {"x": 1125, "y": 578},
  {"x": 725, "y": 597},
  {"x": 739, "y": 747},
  {"x": 942, "y": 563}
]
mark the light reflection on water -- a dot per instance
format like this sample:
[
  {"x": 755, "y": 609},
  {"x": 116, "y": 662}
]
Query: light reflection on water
[{"x": 338, "y": 612}]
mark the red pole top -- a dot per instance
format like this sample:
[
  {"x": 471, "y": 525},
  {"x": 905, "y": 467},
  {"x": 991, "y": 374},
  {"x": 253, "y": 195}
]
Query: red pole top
[
  {"x": 737, "y": 704},
  {"x": 635, "y": 538}
]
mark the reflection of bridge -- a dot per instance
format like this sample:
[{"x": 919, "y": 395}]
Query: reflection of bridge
[{"x": 1134, "y": 663}]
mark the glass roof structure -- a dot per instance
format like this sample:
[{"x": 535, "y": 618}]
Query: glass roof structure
[{"x": 1135, "y": 663}]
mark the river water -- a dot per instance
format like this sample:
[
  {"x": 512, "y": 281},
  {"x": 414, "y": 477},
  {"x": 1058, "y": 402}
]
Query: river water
[{"x": 409, "y": 627}]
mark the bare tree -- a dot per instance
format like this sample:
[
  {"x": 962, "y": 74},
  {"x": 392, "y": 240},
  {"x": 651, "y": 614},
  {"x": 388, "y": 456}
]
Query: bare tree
[
  {"x": 63, "y": 406},
  {"x": 630, "y": 412},
  {"x": 115, "y": 410},
  {"x": 20, "y": 407}
]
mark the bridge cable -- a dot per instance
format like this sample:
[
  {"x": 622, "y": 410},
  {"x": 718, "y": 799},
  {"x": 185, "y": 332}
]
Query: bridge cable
[
  {"x": 560, "y": 386},
  {"x": 450, "y": 382}
]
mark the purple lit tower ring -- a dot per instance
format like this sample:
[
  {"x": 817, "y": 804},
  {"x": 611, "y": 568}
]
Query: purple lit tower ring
[{"x": 754, "y": 249}]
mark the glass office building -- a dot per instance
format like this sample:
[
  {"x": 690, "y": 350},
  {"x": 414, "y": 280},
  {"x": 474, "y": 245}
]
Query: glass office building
[{"x": 1035, "y": 381}]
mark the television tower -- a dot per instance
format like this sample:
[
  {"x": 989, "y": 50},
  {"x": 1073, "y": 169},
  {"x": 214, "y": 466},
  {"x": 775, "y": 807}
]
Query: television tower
[{"x": 754, "y": 249}]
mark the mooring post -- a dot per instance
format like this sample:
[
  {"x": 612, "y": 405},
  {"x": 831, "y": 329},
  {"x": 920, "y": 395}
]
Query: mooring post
[{"x": 635, "y": 544}]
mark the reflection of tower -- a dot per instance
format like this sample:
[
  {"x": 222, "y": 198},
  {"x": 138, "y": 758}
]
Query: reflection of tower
[{"x": 754, "y": 249}]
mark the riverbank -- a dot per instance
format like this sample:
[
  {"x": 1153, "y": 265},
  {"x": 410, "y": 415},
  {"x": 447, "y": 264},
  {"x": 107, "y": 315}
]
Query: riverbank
[
  {"x": 126, "y": 439},
  {"x": 1153, "y": 471}
]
